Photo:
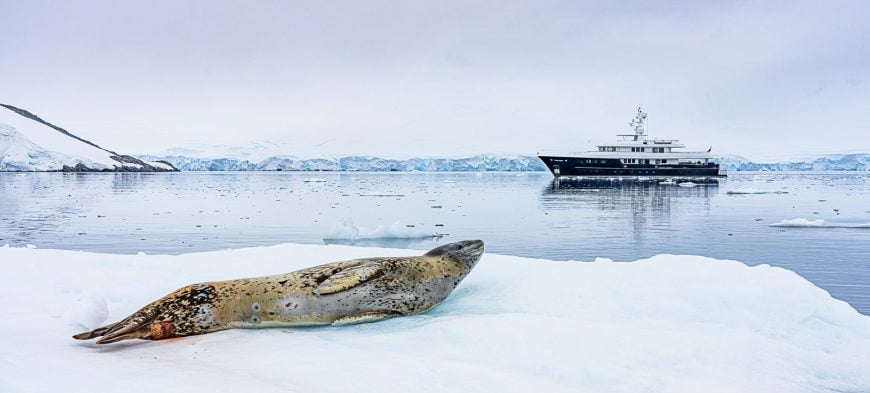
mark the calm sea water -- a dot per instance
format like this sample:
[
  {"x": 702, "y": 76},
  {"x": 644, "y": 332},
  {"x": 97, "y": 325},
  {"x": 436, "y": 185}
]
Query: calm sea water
[{"x": 527, "y": 214}]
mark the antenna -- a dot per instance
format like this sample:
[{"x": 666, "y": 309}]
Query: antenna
[{"x": 638, "y": 122}]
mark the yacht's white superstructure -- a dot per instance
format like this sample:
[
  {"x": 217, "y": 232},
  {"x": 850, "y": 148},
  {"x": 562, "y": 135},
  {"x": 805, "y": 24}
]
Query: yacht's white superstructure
[{"x": 635, "y": 155}]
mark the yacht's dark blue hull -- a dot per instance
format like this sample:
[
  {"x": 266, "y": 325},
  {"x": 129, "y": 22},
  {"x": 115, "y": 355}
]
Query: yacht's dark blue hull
[{"x": 581, "y": 166}]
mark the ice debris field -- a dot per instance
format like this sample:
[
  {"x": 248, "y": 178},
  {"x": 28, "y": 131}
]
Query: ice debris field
[{"x": 667, "y": 323}]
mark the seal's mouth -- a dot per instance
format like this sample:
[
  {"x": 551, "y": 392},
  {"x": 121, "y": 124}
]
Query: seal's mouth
[{"x": 473, "y": 246}]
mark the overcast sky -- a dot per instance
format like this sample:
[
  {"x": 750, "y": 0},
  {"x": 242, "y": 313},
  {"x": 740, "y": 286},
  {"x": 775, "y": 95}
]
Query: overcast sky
[{"x": 402, "y": 78}]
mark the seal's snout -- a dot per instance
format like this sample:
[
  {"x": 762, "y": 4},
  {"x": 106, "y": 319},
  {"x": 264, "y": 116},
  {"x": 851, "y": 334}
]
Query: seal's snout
[
  {"x": 462, "y": 250},
  {"x": 472, "y": 246}
]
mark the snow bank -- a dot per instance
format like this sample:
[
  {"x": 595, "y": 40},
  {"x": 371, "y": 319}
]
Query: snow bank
[
  {"x": 668, "y": 323},
  {"x": 820, "y": 223},
  {"x": 346, "y": 230}
]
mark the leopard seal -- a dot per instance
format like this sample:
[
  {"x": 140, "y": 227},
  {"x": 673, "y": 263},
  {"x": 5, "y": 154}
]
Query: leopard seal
[{"x": 338, "y": 293}]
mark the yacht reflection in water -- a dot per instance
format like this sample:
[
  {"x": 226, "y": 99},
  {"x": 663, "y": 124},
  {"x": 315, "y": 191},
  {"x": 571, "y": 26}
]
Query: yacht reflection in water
[{"x": 642, "y": 207}]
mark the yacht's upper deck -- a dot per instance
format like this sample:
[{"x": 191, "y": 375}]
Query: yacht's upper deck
[{"x": 638, "y": 146}]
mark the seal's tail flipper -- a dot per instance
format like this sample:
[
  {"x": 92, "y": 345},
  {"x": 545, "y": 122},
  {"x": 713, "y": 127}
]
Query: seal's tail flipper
[
  {"x": 137, "y": 325},
  {"x": 94, "y": 333}
]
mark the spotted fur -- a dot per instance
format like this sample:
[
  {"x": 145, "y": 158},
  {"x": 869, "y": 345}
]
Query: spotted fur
[{"x": 346, "y": 292}]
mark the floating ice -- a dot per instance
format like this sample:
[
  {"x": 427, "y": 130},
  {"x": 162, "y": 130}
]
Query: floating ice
[
  {"x": 346, "y": 230},
  {"x": 800, "y": 222},
  {"x": 741, "y": 191},
  {"x": 666, "y": 324},
  {"x": 687, "y": 184},
  {"x": 820, "y": 223},
  {"x": 381, "y": 194}
]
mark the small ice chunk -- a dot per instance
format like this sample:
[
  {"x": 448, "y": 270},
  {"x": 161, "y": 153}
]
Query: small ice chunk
[
  {"x": 742, "y": 191},
  {"x": 346, "y": 230},
  {"x": 800, "y": 222},
  {"x": 381, "y": 194}
]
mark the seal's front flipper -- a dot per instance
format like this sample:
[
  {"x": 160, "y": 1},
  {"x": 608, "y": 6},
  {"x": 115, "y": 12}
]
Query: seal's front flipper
[
  {"x": 365, "y": 317},
  {"x": 347, "y": 279}
]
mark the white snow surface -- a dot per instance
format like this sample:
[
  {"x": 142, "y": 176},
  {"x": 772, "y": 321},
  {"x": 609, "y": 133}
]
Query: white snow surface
[
  {"x": 346, "y": 230},
  {"x": 26, "y": 144},
  {"x": 667, "y": 323},
  {"x": 159, "y": 165}
]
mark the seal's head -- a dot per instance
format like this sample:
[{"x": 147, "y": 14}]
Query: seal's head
[{"x": 468, "y": 252}]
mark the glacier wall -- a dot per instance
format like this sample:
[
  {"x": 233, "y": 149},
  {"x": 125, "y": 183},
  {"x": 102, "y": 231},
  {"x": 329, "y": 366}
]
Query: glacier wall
[{"x": 478, "y": 163}]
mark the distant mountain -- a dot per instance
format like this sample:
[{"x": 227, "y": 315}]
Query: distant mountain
[
  {"x": 29, "y": 143},
  {"x": 483, "y": 162}
]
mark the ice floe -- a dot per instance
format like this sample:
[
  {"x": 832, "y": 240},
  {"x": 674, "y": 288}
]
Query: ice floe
[
  {"x": 820, "y": 223},
  {"x": 742, "y": 191},
  {"x": 668, "y": 323}
]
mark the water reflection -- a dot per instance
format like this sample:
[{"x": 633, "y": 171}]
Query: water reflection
[{"x": 643, "y": 205}]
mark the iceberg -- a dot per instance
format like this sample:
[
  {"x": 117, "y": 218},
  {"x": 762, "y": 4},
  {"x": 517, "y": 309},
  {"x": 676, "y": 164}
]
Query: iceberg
[
  {"x": 667, "y": 323},
  {"x": 346, "y": 230}
]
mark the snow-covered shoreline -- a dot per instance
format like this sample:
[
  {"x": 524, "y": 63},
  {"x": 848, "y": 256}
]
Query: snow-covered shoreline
[{"x": 667, "y": 323}]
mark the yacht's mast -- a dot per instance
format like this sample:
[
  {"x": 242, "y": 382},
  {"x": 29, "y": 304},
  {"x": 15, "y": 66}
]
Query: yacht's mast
[{"x": 638, "y": 125}]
